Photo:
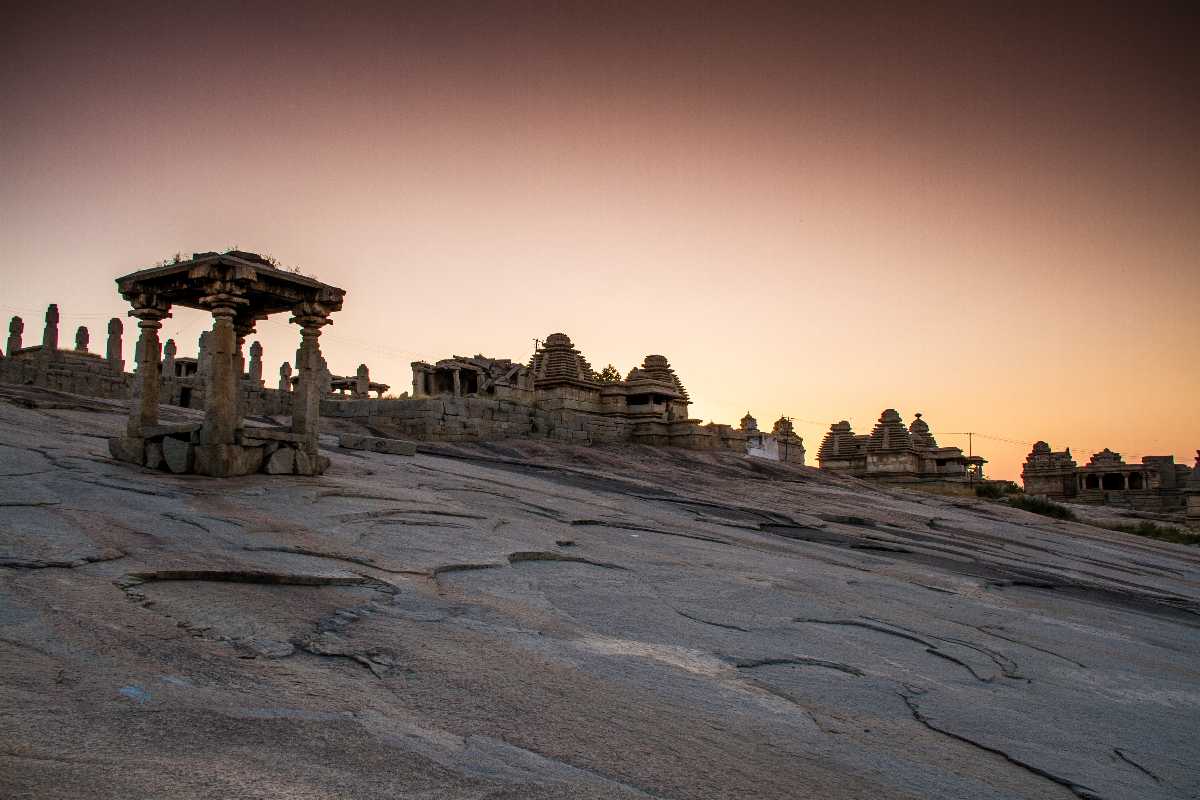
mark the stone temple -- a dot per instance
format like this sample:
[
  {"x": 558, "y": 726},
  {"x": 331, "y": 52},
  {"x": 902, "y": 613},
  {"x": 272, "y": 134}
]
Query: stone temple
[
  {"x": 558, "y": 395},
  {"x": 896, "y": 454},
  {"x": 238, "y": 289},
  {"x": 1156, "y": 484}
]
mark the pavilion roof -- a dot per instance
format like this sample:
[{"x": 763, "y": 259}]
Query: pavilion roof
[{"x": 265, "y": 288}]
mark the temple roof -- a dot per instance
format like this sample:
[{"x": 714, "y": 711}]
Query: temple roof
[
  {"x": 558, "y": 360},
  {"x": 889, "y": 434},
  {"x": 1106, "y": 458},
  {"x": 920, "y": 433},
  {"x": 840, "y": 441},
  {"x": 266, "y": 289},
  {"x": 656, "y": 368}
]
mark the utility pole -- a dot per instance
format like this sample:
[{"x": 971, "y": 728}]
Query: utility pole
[{"x": 786, "y": 439}]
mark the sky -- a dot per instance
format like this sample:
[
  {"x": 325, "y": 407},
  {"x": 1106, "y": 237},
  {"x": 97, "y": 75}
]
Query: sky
[{"x": 987, "y": 213}]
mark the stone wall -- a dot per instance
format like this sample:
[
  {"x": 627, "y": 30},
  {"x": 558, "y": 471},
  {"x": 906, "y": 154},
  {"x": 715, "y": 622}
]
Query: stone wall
[
  {"x": 78, "y": 376},
  {"x": 1157, "y": 500},
  {"x": 256, "y": 401},
  {"x": 453, "y": 419}
]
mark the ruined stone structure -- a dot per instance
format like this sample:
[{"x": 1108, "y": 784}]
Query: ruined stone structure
[
  {"x": 359, "y": 385},
  {"x": 1191, "y": 494},
  {"x": 185, "y": 380},
  {"x": 458, "y": 377},
  {"x": 1155, "y": 484},
  {"x": 77, "y": 370},
  {"x": 555, "y": 395},
  {"x": 1049, "y": 473},
  {"x": 781, "y": 444},
  {"x": 895, "y": 454},
  {"x": 238, "y": 289}
]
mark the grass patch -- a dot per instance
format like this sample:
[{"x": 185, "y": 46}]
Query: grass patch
[
  {"x": 1040, "y": 505},
  {"x": 1164, "y": 533}
]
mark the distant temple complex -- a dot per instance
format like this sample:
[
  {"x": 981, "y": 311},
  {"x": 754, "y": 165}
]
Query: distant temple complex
[
  {"x": 1156, "y": 484},
  {"x": 555, "y": 395},
  {"x": 896, "y": 454},
  {"x": 558, "y": 395}
]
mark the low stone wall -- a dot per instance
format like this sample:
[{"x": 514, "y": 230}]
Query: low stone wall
[
  {"x": 1158, "y": 500},
  {"x": 255, "y": 401},
  {"x": 455, "y": 419},
  {"x": 93, "y": 380}
]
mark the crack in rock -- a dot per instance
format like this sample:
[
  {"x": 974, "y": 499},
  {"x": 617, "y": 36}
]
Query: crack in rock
[
  {"x": 243, "y": 576},
  {"x": 383, "y": 514},
  {"x": 541, "y": 555},
  {"x": 1081, "y": 791},
  {"x": 1121, "y": 755},
  {"x": 857, "y": 623},
  {"x": 40, "y": 563},
  {"x": 990, "y": 631},
  {"x": 633, "y": 527},
  {"x": 726, "y": 626},
  {"x": 984, "y": 678},
  {"x": 444, "y": 568},
  {"x": 363, "y": 561},
  {"x": 800, "y": 661}
]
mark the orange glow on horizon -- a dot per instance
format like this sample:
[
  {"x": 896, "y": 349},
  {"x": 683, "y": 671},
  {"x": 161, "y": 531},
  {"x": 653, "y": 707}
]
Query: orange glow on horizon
[{"x": 814, "y": 214}]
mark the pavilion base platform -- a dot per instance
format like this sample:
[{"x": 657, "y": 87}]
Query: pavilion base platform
[{"x": 179, "y": 449}]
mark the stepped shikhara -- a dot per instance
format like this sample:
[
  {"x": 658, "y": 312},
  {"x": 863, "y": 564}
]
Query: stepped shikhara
[{"x": 894, "y": 453}]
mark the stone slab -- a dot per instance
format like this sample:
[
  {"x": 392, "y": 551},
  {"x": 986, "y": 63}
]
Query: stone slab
[{"x": 377, "y": 444}]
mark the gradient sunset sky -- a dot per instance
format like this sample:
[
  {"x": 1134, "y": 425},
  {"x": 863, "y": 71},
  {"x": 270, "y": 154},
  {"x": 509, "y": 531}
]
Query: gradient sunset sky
[{"x": 989, "y": 216}]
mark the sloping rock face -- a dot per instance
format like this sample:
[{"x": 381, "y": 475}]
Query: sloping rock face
[{"x": 538, "y": 621}]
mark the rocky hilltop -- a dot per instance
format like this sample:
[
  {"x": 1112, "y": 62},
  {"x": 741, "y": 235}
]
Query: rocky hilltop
[{"x": 525, "y": 620}]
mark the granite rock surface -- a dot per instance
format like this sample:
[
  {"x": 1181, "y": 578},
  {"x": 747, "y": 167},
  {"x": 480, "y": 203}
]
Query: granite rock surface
[{"x": 525, "y": 620}]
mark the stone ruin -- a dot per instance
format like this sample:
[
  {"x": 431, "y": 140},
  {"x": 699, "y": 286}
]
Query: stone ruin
[
  {"x": 557, "y": 395},
  {"x": 781, "y": 444},
  {"x": 1191, "y": 494},
  {"x": 238, "y": 289},
  {"x": 76, "y": 370},
  {"x": 1156, "y": 484},
  {"x": 896, "y": 454}
]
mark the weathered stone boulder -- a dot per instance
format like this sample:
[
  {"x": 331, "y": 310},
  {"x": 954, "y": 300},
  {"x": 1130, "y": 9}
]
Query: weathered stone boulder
[
  {"x": 178, "y": 455},
  {"x": 282, "y": 462}
]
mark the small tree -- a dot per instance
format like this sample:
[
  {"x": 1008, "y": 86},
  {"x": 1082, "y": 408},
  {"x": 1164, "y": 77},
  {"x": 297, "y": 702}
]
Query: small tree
[{"x": 608, "y": 375}]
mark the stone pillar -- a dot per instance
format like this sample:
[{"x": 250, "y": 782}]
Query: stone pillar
[
  {"x": 256, "y": 365},
  {"x": 81, "y": 339},
  {"x": 113, "y": 350},
  {"x": 306, "y": 404},
  {"x": 325, "y": 382},
  {"x": 204, "y": 358},
  {"x": 362, "y": 383},
  {"x": 457, "y": 383},
  {"x": 50, "y": 334},
  {"x": 16, "y": 326},
  {"x": 143, "y": 411},
  {"x": 168, "y": 364},
  {"x": 220, "y": 413},
  {"x": 418, "y": 381},
  {"x": 285, "y": 377}
]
